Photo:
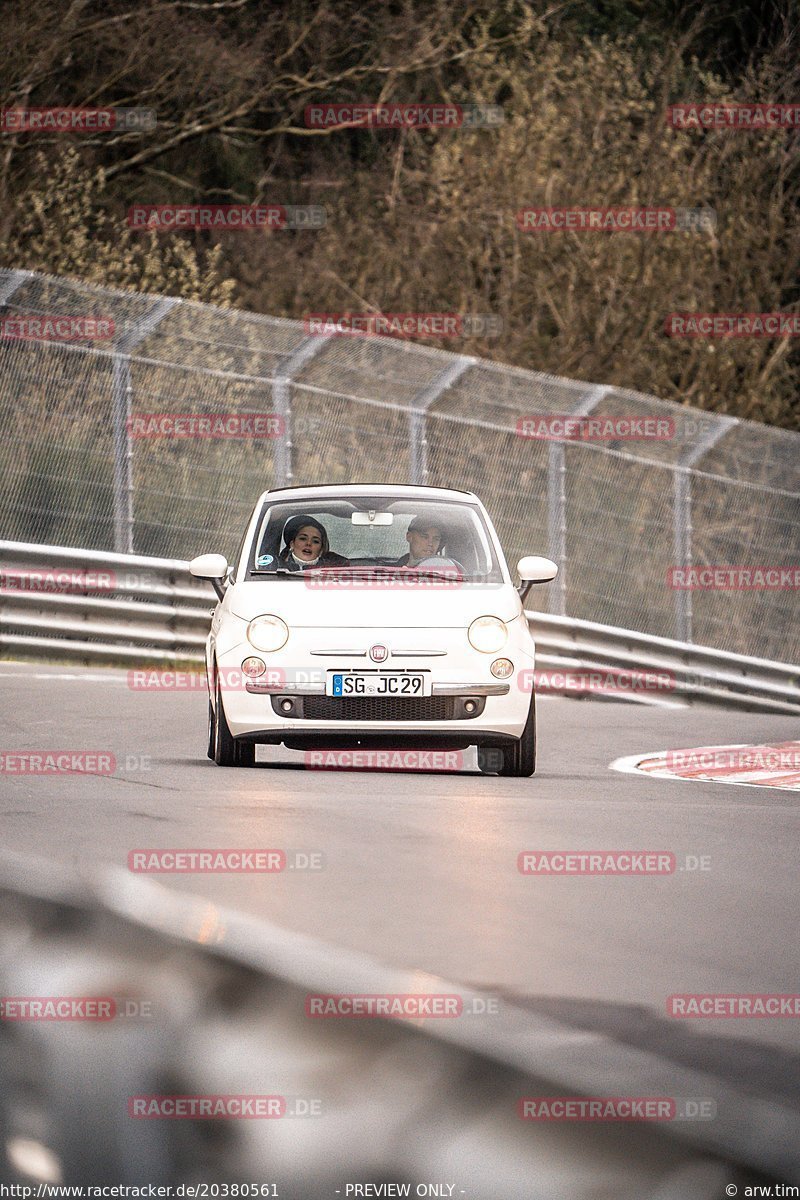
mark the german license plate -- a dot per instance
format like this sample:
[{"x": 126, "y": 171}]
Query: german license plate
[{"x": 389, "y": 683}]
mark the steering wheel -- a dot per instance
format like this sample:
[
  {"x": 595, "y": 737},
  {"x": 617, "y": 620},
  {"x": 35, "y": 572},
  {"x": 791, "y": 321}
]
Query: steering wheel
[{"x": 448, "y": 566}]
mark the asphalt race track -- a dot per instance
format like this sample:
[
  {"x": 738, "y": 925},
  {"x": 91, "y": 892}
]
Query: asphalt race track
[{"x": 419, "y": 870}]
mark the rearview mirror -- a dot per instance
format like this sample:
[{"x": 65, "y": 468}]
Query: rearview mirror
[
  {"x": 372, "y": 518},
  {"x": 534, "y": 569},
  {"x": 212, "y": 567}
]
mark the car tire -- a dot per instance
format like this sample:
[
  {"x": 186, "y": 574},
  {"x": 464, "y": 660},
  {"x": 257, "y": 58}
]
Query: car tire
[
  {"x": 212, "y": 733},
  {"x": 228, "y": 751},
  {"x": 519, "y": 759}
]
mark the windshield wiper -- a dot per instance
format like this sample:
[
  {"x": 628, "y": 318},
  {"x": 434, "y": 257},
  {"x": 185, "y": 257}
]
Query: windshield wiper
[
  {"x": 429, "y": 573},
  {"x": 359, "y": 567},
  {"x": 265, "y": 573}
]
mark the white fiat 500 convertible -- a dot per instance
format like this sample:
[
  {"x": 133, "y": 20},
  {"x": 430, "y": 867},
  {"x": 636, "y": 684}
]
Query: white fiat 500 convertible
[{"x": 371, "y": 616}]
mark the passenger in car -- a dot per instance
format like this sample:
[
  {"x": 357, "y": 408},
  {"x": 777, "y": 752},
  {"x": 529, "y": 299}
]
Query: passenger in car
[{"x": 305, "y": 544}]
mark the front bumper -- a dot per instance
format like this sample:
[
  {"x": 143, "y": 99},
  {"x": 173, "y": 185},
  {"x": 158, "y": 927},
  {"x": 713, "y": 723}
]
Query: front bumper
[{"x": 497, "y": 716}]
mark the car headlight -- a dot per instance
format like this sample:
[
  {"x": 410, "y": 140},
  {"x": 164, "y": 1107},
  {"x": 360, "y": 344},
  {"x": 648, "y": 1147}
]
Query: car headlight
[
  {"x": 487, "y": 634},
  {"x": 267, "y": 633}
]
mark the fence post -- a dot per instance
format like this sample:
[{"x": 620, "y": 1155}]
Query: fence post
[
  {"x": 682, "y": 529},
  {"x": 121, "y": 403},
  {"x": 557, "y": 503},
  {"x": 417, "y": 421},
  {"x": 282, "y": 403}
]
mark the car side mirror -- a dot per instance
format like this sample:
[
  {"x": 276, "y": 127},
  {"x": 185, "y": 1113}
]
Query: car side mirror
[
  {"x": 534, "y": 569},
  {"x": 212, "y": 567}
]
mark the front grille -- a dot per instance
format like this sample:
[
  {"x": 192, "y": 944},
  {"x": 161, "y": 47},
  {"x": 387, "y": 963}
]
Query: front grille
[{"x": 379, "y": 708}]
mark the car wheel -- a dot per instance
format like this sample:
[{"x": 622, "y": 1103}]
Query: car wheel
[
  {"x": 519, "y": 759},
  {"x": 212, "y": 733},
  {"x": 228, "y": 752}
]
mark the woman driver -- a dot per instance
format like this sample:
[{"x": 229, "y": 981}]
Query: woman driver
[{"x": 306, "y": 545}]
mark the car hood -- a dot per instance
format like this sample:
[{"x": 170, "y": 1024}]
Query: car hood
[{"x": 358, "y": 607}]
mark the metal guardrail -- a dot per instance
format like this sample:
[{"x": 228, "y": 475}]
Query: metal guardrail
[
  {"x": 134, "y": 609},
  {"x": 150, "y": 610},
  {"x": 693, "y": 672}
]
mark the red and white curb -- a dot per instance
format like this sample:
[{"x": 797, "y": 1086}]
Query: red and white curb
[{"x": 775, "y": 765}]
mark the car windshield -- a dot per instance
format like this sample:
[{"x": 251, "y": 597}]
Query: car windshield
[{"x": 373, "y": 535}]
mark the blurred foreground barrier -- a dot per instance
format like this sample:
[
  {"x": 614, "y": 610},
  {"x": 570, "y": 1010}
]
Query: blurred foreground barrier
[
  {"x": 68, "y": 604},
  {"x": 209, "y": 1003}
]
